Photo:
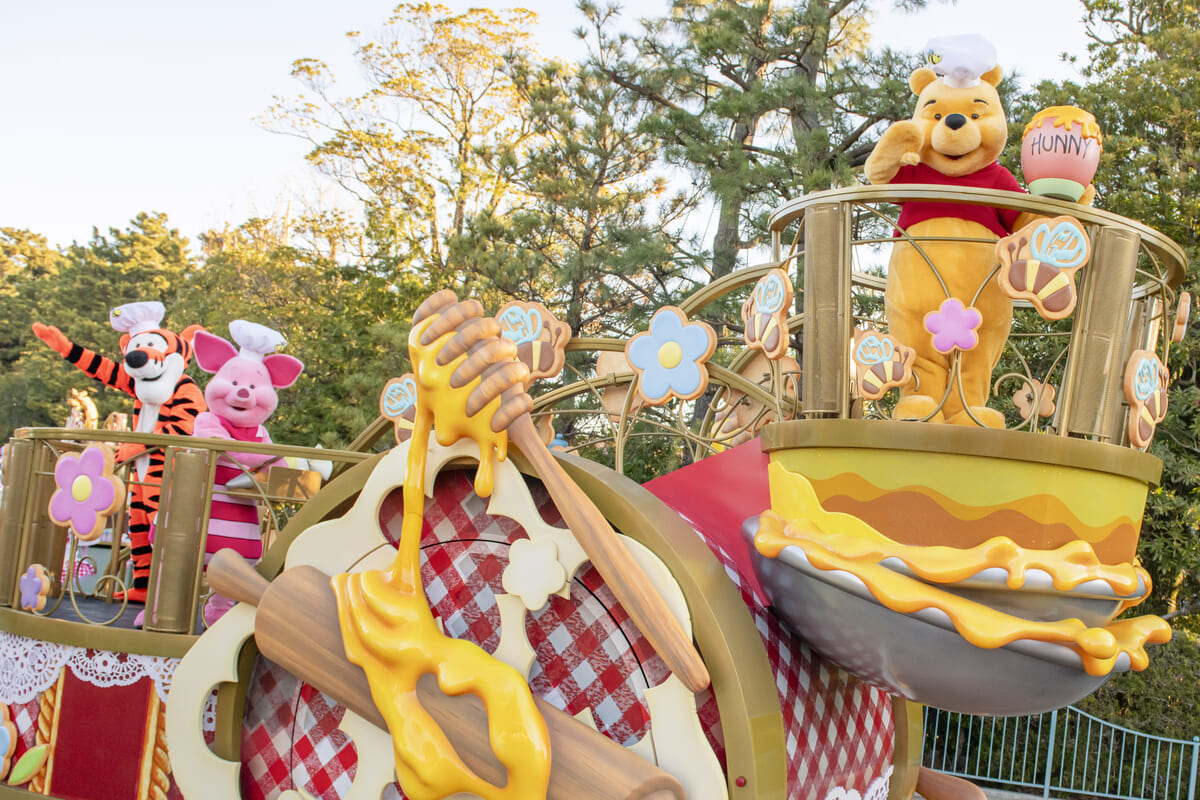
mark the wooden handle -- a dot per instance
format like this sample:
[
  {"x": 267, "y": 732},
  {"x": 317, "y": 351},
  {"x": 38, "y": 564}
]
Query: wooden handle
[
  {"x": 613, "y": 561},
  {"x": 233, "y": 576},
  {"x": 297, "y": 628},
  {"x": 937, "y": 786}
]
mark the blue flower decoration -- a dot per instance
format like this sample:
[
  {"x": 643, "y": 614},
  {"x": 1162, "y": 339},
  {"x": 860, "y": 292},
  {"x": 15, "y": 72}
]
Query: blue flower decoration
[{"x": 669, "y": 358}]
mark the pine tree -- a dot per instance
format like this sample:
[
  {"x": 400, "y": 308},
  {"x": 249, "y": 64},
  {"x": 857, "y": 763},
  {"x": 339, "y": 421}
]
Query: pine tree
[{"x": 759, "y": 101}]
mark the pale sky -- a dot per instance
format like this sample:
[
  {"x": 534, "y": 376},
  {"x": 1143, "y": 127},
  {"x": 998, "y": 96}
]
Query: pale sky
[{"x": 115, "y": 107}]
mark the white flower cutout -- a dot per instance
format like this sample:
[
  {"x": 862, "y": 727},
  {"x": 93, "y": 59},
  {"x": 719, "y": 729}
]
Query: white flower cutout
[{"x": 533, "y": 572}]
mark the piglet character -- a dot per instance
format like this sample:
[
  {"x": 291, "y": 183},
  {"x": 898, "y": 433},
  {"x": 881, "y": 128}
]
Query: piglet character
[{"x": 240, "y": 396}]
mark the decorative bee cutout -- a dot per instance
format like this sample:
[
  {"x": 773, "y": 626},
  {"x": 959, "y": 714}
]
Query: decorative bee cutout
[
  {"x": 399, "y": 404},
  {"x": 1038, "y": 263},
  {"x": 739, "y": 418},
  {"x": 883, "y": 363},
  {"x": 541, "y": 339},
  {"x": 1146, "y": 390},
  {"x": 766, "y": 312},
  {"x": 612, "y": 395},
  {"x": 1181, "y": 317}
]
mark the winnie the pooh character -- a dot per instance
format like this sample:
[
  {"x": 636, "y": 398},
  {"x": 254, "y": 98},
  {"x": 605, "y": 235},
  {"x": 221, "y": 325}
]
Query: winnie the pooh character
[{"x": 954, "y": 137}]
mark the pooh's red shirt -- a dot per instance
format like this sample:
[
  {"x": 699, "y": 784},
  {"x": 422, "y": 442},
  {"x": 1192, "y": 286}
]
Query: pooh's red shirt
[{"x": 998, "y": 220}]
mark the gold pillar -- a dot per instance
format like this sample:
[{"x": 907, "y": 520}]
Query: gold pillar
[
  {"x": 18, "y": 459},
  {"x": 178, "y": 542},
  {"x": 827, "y": 318},
  {"x": 44, "y": 542},
  {"x": 1096, "y": 365},
  {"x": 908, "y": 723}
]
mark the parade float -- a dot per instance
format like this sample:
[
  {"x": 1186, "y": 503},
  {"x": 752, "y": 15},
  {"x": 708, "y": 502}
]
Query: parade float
[{"x": 892, "y": 485}]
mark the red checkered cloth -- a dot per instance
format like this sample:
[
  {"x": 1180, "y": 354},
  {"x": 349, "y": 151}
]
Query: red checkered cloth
[
  {"x": 24, "y": 717},
  {"x": 838, "y": 730},
  {"x": 588, "y": 656}
]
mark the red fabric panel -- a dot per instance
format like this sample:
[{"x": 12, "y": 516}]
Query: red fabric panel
[
  {"x": 101, "y": 738},
  {"x": 716, "y": 495}
]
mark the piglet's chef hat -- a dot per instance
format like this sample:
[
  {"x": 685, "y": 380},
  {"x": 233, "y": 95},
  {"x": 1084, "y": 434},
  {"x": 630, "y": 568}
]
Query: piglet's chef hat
[
  {"x": 135, "y": 318},
  {"x": 256, "y": 340},
  {"x": 961, "y": 60}
]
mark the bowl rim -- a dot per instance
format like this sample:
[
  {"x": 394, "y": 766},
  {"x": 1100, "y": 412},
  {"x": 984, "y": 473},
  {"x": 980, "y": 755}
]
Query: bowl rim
[
  {"x": 1037, "y": 581},
  {"x": 1061, "y": 655},
  {"x": 985, "y": 443}
]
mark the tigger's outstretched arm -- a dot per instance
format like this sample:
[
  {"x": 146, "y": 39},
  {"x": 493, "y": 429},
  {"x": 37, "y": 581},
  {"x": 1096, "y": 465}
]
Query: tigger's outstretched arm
[{"x": 90, "y": 362}]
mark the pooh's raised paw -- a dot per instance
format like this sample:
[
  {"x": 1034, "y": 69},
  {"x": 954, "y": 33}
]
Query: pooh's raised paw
[{"x": 900, "y": 145}]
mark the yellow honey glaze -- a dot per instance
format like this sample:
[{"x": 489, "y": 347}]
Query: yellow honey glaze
[
  {"x": 1064, "y": 117},
  {"x": 389, "y": 630},
  {"x": 833, "y": 541}
]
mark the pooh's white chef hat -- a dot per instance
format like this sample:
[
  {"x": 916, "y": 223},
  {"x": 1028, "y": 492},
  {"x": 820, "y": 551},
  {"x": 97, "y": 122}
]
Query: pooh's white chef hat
[
  {"x": 135, "y": 318},
  {"x": 961, "y": 60},
  {"x": 256, "y": 340}
]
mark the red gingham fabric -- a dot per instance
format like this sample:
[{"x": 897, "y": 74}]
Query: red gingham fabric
[
  {"x": 24, "y": 717},
  {"x": 588, "y": 655}
]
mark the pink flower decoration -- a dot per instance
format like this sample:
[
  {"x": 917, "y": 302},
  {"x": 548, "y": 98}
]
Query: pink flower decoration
[
  {"x": 35, "y": 586},
  {"x": 87, "y": 491},
  {"x": 1034, "y": 389},
  {"x": 953, "y": 326}
]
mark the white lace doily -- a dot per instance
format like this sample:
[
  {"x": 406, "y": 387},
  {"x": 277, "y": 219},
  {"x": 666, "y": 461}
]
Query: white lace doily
[
  {"x": 877, "y": 790},
  {"x": 29, "y": 667}
]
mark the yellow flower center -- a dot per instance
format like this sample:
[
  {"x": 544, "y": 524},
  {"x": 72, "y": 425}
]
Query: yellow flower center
[
  {"x": 81, "y": 487},
  {"x": 670, "y": 354}
]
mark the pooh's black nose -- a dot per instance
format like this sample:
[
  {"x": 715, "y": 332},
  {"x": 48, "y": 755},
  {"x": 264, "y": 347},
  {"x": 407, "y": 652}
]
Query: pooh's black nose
[
  {"x": 136, "y": 358},
  {"x": 955, "y": 121}
]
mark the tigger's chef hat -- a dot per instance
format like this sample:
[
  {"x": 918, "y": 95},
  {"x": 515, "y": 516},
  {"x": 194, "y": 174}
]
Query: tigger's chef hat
[
  {"x": 135, "y": 318},
  {"x": 254, "y": 340}
]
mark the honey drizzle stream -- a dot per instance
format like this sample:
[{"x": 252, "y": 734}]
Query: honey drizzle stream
[
  {"x": 389, "y": 630},
  {"x": 842, "y": 542}
]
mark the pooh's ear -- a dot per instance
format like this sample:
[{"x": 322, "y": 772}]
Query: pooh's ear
[
  {"x": 921, "y": 78},
  {"x": 992, "y": 76}
]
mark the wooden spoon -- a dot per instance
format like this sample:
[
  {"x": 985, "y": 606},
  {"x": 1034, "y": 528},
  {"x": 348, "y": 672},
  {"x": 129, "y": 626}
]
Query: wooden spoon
[{"x": 493, "y": 360}]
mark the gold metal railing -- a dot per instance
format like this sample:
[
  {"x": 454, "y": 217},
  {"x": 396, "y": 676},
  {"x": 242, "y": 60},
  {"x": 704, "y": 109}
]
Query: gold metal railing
[
  {"x": 1127, "y": 298},
  {"x": 28, "y": 536}
]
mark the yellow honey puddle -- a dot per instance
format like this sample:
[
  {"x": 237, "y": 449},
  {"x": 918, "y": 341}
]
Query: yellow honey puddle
[
  {"x": 389, "y": 630},
  {"x": 1064, "y": 117},
  {"x": 844, "y": 542}
]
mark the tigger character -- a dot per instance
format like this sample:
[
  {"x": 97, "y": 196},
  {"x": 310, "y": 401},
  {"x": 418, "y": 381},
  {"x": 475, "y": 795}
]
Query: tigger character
[{"x": 165, "y": 401}]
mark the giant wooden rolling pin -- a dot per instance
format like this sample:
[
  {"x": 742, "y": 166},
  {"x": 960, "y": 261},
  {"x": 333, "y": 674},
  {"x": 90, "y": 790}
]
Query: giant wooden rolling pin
[{"x": 297, "y": 627}]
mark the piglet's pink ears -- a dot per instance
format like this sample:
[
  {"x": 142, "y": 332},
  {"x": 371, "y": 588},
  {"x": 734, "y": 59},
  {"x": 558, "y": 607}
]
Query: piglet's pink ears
[
  {"x": 284, "y": 369},
  {"x": 212, "y": 351}
]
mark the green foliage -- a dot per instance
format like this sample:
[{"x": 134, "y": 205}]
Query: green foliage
[
  {"x": 346, "y": 322},
  {"x": 758, "y": 101},
  {"x": 419, "y": 147},
  {"x": 1144, "y": 87},
  {"x": 596, "y": 234},
  {"x": 1163, "y": 700},
  {"x": 74, "y": 290}
]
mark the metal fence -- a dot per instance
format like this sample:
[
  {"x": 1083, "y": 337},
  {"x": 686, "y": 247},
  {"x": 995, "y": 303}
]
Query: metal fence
[{"x": 1063, "y": 753}]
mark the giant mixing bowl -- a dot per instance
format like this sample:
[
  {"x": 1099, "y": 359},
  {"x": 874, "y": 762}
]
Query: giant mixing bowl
[
  {"x": 930, "y": 485},
  {"x": 920, "y": 655}
]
